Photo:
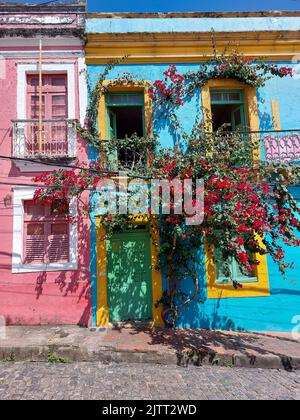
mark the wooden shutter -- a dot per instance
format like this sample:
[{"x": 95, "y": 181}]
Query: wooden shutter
[
  {"x": 55, "y": 96},
  {"x": 46, "y": 235},
  {"x": 34, "y": 243},
  {"x": 34, "y": 233}
]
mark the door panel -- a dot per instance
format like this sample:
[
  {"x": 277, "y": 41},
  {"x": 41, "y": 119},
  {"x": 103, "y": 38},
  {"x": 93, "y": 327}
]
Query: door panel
[{"x": 129, "y": 277}]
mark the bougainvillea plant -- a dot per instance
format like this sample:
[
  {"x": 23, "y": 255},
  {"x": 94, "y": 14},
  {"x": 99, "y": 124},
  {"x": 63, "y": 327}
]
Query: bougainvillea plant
[
  {"x": 248, "y": 210},
  {"x": 169, "y": 89},
  {"x": 239, "y": 67}
]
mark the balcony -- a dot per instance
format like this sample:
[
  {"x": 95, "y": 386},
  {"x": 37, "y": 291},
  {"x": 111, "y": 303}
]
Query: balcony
[
  {"x": 275, "y": 146},
  {"x": 132, "y": 155},
  {"x": 56, "y": 140},
  {"x": 281, "y": 146}
]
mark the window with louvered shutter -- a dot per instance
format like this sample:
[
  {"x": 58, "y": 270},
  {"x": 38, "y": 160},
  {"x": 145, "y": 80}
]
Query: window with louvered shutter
[{"x": 46, "y": 235}]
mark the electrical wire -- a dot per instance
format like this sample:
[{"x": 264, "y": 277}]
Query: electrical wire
[{"x": 66, "y": 166}]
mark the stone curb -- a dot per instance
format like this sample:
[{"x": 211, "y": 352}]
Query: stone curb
[{"x": 71, "y": 353}]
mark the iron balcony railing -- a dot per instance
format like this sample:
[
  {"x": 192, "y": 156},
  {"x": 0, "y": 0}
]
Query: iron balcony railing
[
  {"x": 57, "y": 138},
  {"x": 127, "y": 155},
  {"x": 275, "y": 146},
  {"x": 281, "y": 146}
]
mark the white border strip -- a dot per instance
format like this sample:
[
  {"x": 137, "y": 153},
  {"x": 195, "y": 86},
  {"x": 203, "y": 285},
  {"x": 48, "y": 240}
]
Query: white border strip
[{"x": 82, "y": 88}]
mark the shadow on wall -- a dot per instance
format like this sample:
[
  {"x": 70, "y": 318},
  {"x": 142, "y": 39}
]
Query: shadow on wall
[
  {"x": 265, "y": 118},
  {"x": 197, "y": 314},
  {"x": 164, "y": 124}
]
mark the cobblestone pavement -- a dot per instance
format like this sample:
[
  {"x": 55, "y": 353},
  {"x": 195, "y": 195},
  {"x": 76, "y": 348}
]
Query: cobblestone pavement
[{"x": 96, "y": 381}]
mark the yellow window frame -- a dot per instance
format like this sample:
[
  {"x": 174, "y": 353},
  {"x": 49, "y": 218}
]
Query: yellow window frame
[
  {"x": 216, "y": 290},
  {"x": 132, "y": 87},
  {"x": 261, "y": 287}
]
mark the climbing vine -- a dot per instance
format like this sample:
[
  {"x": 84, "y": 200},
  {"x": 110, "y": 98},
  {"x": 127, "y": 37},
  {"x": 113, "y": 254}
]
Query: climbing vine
[{"x": 247, "y": 209}]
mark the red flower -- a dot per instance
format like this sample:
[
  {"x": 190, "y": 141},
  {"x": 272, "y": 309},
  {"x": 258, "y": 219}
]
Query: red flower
[
  {"x": 169, "y": 167},
  {"x": 240, "y": 241},
  {"x": 279, "y": 255},
  {"x": 243, "y": 257},
  {"x": 242, "y": 228}
]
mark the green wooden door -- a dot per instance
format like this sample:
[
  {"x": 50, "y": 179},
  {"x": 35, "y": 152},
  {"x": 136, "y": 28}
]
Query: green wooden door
[{"x": 129, "y": 277}]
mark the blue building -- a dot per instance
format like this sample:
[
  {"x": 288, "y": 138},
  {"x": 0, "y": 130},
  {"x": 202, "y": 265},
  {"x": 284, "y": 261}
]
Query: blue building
[{"x": 152, "y": 42}]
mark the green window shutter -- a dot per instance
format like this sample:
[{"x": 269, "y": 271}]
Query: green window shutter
[
  {"x": 235, "y": 272},
  {"x": 114, "y": 102},
  {"x": 112, "y": 118},
  {"x": 238, "y": 120},
  {"x": 112, "y": 156},
  {"x": 231, "y": 98}
]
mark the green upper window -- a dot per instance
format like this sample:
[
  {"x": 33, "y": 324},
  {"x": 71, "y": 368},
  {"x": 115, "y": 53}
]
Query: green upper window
[
  {"x": 125, "y": 118},
  {"x": 125, "y": 114},
  {"x": 228, "y": 110}
]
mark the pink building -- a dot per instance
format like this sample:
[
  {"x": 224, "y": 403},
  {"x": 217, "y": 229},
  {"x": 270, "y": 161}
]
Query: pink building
[{"x": 44, "y": 259}]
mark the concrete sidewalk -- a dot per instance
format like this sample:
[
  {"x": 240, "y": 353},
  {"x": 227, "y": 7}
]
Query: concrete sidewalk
[{"x": 139, "y": 343}]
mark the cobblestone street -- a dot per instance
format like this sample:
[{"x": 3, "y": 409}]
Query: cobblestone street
[{"x": 97, "y": 381}]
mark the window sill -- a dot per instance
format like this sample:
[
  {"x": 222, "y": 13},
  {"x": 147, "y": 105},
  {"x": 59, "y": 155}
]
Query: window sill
[{"x": 36, "y": 268}]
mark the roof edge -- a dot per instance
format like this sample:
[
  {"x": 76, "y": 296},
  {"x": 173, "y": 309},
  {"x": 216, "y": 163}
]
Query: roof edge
[
  {"x": 75, "y": 6},
  {"x": 174, "y": 15}
]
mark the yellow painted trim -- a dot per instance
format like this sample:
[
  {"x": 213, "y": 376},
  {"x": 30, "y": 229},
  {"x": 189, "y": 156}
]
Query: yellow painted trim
[
  {"x": 102, "y": 307},
  {"x": 275, "y": 115},
  {"x": 157, "y": 290},
  {"x": 261, "y": 288},
  {"x": 102, "y": 313},
  {"x": 156, "y": 275},
  {"x": 219, "y": 291},
  {"x": 189, "y": 47},
  {"x": 252, "y": 118}
]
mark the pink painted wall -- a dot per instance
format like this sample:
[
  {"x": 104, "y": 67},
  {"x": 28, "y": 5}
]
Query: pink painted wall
[{"x": 45, "y": 297}]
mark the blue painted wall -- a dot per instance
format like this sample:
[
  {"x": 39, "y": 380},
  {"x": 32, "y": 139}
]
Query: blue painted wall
[
  {"x": 234, "y": 24},
  {"x": 273, "y": 313}
]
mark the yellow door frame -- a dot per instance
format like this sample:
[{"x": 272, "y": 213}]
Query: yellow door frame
[{"x": 102, "y": 314}]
